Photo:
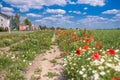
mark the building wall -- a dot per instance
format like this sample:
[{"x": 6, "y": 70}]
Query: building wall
[
  {"x": 22, "y": 27},
  {"x": 4, "y": 22}
]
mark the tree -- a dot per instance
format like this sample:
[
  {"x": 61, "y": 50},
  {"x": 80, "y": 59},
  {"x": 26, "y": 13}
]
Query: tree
[
  {"x": 27, "y": 22},
  {"x": 15, "y": 21}
]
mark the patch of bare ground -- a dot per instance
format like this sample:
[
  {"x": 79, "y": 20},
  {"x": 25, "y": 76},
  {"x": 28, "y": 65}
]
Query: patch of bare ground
[{"x": 48, "y": 65}]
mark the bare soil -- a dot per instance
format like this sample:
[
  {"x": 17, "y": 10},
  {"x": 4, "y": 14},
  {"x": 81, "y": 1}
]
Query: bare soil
[{"x": 44, "y": 62}]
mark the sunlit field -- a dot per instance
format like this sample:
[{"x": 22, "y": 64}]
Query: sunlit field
[
  {"x": 86, "y": 54},
  {"x": 90, "y": 55}
]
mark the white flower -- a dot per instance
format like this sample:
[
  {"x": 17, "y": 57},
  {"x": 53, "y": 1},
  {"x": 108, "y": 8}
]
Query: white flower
[
  {"x": 96, "y": 62},
  {"x": 83, "y": 69},
  {"x": 116, "y": 59},
  {"x": 117, "y": 50},
  {"x": 96, "y": 76},
  {"x": 81, "y": 72},
  {"x": 30, "y": 63},
  {"x": 24, "y": 60},
  {"x": 117, "y": 68},
  {"x": 102, "y": 60},
  {"x": 102, "y": 73},
  {"x": 94, "y": 71},
  {"x": 101, "y": 67},
  {"x": 84, "y": 75},
  {"x": 108, "y": 64}
]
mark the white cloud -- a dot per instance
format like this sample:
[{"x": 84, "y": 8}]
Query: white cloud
[
  {"x": 33, "y": 15},
  {"x": 25, "y": 5},
  {"x": 76, "y": 12},
  {"x": 113, "y": 11},
  {"x": 55, "y": 11},
  {"x": 85, "y": 8},
  {"x": 1, "y": 6},
  {"x": 97, "y": 22},
  {"x": 92, "y": 2},
  {"x": 71, "y": 2},
  {"x": 117, "y": 15},
  {"x": 89, "y": 22},
  {"x": 7, "y": 9},
  {"x": 56, "y": 21}
]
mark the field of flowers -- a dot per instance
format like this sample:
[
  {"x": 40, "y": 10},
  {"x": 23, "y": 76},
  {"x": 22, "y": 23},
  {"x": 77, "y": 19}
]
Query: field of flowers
[
  {"x": 13, "y": 63},
  {"x": 90, "y": 55}
]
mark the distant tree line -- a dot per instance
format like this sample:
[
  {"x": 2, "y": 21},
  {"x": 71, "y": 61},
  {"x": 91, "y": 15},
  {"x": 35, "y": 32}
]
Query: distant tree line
[{"x": 51, "y": 28}]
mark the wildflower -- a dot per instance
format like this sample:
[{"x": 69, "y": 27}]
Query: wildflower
[
  {"x": 81, "y": 72},
  {"x": 66, "y": 52},
  {"x": 85, "y": 75},
  {"x": 98, "y": 44},
  {"x": 61, "y": 54},
  {"x": 78, "y": 51},
  {"x": 102, "y": 73},
  {"x": 111, "y": 51},
  {"x": 85, "y": 47},
  {"x": 114, "y": 78},
  {"x": 95, "y": 56}
]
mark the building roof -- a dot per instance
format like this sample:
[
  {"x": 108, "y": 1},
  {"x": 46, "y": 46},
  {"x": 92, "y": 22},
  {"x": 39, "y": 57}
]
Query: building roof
[{"x": 7, "y": 16}]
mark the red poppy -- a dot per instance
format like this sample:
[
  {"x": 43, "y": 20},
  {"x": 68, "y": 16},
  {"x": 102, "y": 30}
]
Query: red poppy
[
  {"x": 85, "y": 47},
  {"x": 66, "y": 52},
  {"x": 85, "y": 35},
  {"x": 96, "y": 56},
  {"x": 86, "y": 39},
  {"x": 78, "y": 51},
  {"x": 61, "y": 54},
  {"x": 111, "y": 51},
  {"x": 98, "y": 44},
  {"x": 114, "y": 78}
]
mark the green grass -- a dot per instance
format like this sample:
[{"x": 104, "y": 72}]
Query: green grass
[
  {"x": 51, "y": 74},
  {"x": 109, "y": 38},
  {"x": 15, "y": 64},
  {"x": 53, "y": 61}
]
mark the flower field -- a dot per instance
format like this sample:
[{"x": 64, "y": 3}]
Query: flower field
[
  {"x": 86, "y": 54},
  {"x": 90, "y": 55},
  {"x": 13, "y": 63}
]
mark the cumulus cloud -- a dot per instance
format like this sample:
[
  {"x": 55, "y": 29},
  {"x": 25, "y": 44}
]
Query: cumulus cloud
[
  {"x": 55, "y": 11},
  {"x": 92, "y": 2},
  {"x": 7, "y": 9},
  {"x": 56, "y": 21},
  {"x": 71, "y": 2},
  {"x": 89, "y": 22},
  {"x": 113, "y": 11},
  {"x": 25, "y": 5},
  {"x": 117, "y": 15},
  {"x": 1, "y": 6},
  {"x": 97, "y": 22},
  {"x": 76, "y": 12},
  {"x": 33, "y": 15}
]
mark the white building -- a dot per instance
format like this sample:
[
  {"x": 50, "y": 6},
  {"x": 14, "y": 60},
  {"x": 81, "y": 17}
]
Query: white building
[{"x": 4, "y": 20}]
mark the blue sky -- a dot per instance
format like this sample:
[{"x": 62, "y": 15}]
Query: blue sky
[{"x": 90, "y": 14}]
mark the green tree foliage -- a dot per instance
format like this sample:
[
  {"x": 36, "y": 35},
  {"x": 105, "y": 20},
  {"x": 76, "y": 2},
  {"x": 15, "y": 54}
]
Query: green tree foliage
[
  {"x": 15, "y": 21},
  {"x": 27, "y": 22}
]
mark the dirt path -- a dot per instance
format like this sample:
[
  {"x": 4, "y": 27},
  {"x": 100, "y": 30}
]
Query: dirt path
[{"x": 46, "y": 66}]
